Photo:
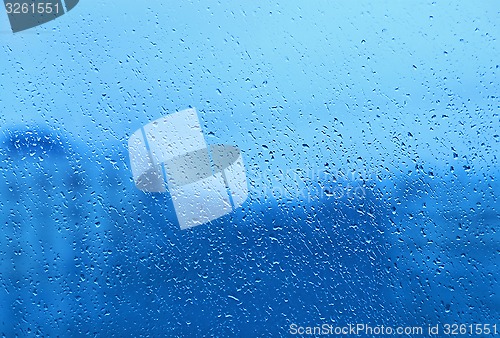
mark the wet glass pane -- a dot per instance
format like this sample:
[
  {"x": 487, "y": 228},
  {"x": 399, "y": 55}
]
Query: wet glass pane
[{"x": 249, "y": 169}]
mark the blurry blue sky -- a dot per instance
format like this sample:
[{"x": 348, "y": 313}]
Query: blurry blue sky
[{"x": 349, "y": 79}]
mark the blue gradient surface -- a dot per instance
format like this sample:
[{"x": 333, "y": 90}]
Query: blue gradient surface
[{"x": 370, "y": 135}]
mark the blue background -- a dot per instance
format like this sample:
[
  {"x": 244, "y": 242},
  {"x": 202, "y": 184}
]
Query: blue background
[{"x": 396, "y": 101}]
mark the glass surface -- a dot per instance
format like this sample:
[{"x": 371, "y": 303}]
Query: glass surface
[{"x": 345, "y": 170}]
